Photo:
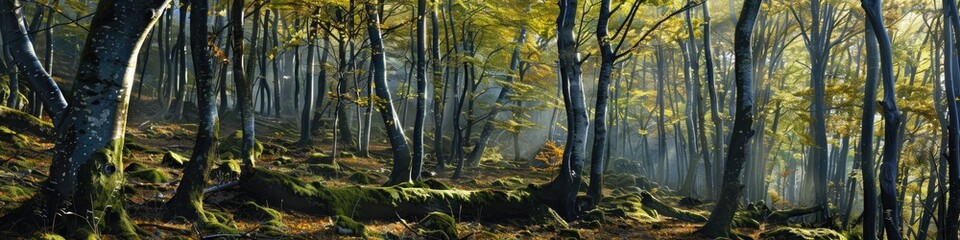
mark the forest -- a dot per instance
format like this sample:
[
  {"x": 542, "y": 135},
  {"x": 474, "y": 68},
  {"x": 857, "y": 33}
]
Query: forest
[{"x": 480, "y": 119}]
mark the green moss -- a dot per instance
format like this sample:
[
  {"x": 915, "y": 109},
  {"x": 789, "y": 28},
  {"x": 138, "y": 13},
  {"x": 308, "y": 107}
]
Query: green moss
[
  {"x": 649, "y": 201},
  {"x": 14, "y": 138},
  {"x": 319, "y": 158},
  {"x": 135, "y": 166},
  {"x": 260, "y": 213},
  {"x": 324, "y": 170},
  {"x": 17, "y": 119},
  {"x": 744, "y": 219},
  {"x": 790, "y": 233},
  {"x": 218, "y": 222},
  {"x": 437, "y": 184},
  {"x": 173, "y": 159},
  {"x": 508, "y": 183},
  {"x": 545, "y": 216},
  {"x": 233, "y": 143},
  {"x": 360, "y": 178},
  {"x": 595, "y": 215},
  {"x": 14, "y": 193},
  {"x": 134, "y": 146},
  {"x": 291, "y": 193},
  {"x": 628, "y": 205},
  {"x": 344, "y": 225},
  {"x": 270, "y": 219},
  {"x": 45, "y": 236},
  {"x": 229, "y": 169},
  {"x": 150, "y": 175},
  {"x": 439, "y": 225},
  {"x": 619, "y": 181}
]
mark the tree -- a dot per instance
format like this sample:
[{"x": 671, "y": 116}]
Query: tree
[
  {"x": 244, "y": 87},
  {"x": 401, "y": 152},
  {"x": 306, "y": 133},
  {"x": 421, "y": 89},
  {"x": 951, "y": 68},
  {"x": 86, "y": 173},
  {"x": 892, "y": 119},
  {"x": 188, "y": 201},
  {"x": 25, "y": 58},
  {"x": 718, "y": 225},
  {"x": 567, "y": 181},
  {"x": 866, "y": 136}
]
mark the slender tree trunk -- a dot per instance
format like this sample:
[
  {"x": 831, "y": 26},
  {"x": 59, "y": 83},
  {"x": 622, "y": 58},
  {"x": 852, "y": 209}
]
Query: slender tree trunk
[
  {"x": 306, "y": 133},
  {"x": 188, "y": 201},
  {"x": 25, "y": 58},
  {"x": 244, "y": 87},
  {"x": 421, "y": 89},
  {"x": 718, "y": 225},
  {"x": 439, "y": 92},
  {"x": 401, "y": 153},
  {"x": 952, "y": 159},
  {"x": 892, "y": 120},
  {"x": 607, "y": 59},
  {"x": 567, "y": 182}
]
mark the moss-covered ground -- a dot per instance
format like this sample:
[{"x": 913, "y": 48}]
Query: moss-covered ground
[{"x": 24, "y": 162}]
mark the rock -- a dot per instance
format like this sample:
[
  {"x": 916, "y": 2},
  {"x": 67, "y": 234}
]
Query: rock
[
  {"x": 324, "y": 170},
  {"x": 628, "y": 205},
  {"x": 344, "y": 225},
  {"x": 438, "y": 225},
  {"x": 627, "y": 166},
  {"x": 646, "y": 184},
  {"x": 595, "y": 215},
  {"x": 173, "y": 159},
  {"x": 789, "y": 233},
  {"x": 229, "y": 169},
  {"x": 233, "y": 143},
  {"x": 569, "y": 233},
  {"x": 150, "y": 175},
  {"x": 319, "y": 158},
  {"x": 619, "y": 181},
  {"x": 545, "y": 216},
  {"x": 270, "y": 219},
  {"x": 135, "y": 166}
]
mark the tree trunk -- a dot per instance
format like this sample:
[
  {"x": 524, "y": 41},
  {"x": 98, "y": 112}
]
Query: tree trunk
[
  {"x": 891, "y": 117},
  {"x": 401, "y": 153},
  {"x": 718, "y": 225},
  {"x": 244, "y": 87},
  {"x": 21, "y": 49},
  {"x": 952, "y": 74},
  {"x": 87, "y": 168},
  {"x": 607, "y": 59},
  {"x": 188, "y": 201},
  {"x": 306, "y": 133},
  {"x": 421, "y": 89},
  {"x": 567, "y": 182}
]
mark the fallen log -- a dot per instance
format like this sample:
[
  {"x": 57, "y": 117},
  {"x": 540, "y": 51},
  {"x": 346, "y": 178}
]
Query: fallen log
[
  {"x": 781, "y": 216},
  {"x": 649, "y": 201},
  {"x": 290, "y": 193}
]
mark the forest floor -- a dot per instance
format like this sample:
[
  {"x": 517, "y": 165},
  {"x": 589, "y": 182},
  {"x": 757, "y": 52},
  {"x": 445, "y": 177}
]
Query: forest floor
[{"x": 24, "y": 162}]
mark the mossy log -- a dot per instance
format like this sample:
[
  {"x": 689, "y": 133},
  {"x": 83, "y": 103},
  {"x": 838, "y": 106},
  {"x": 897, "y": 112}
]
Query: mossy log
[
  {"x": 21, "y": 122},
  {"x": 649, "y": 201},
  {"x": 781, "y": 216},
  {"x": 280, "y": 189}
]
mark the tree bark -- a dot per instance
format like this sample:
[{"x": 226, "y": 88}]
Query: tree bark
[
  {"x": 87, "y": 172},
  {"x": 188, "y": 201},
  {"x": 421, "y": 89},
  {"x": 718, "y": 225},
  {"x": 244, "y": 87},
  {"x": 401, "y": 152},
  {"x": 25, "y": 58}
]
